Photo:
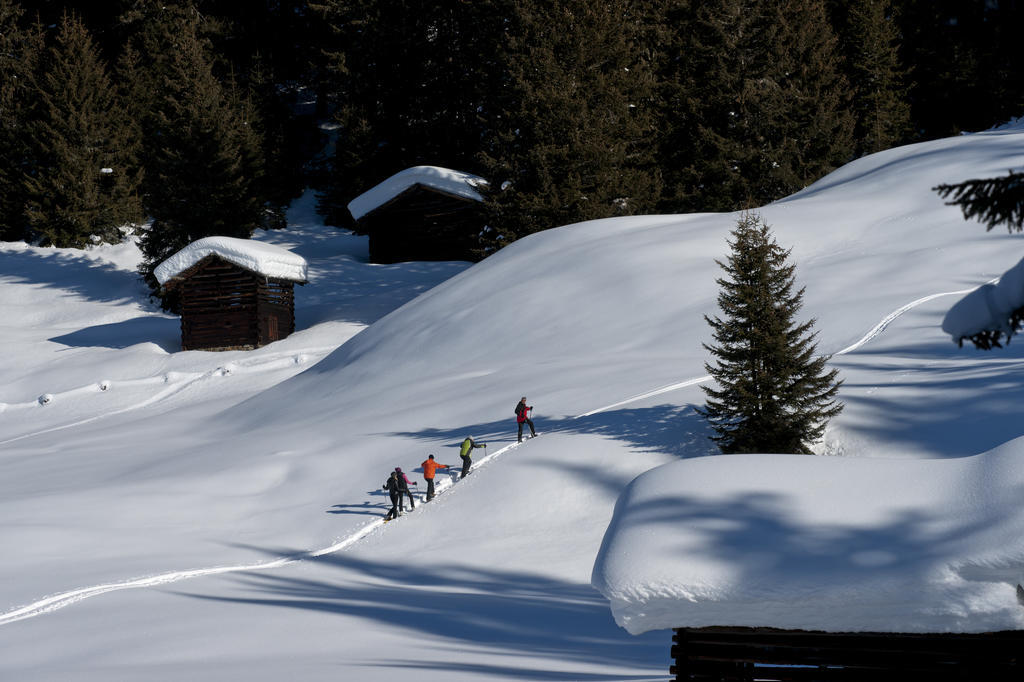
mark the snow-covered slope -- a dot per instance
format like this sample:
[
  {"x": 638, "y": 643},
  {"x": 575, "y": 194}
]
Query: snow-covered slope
[{"x": 215, "y": 466}]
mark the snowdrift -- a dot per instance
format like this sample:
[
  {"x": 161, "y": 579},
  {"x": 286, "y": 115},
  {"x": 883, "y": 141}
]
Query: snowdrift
[{"x": 820, "y": 543}]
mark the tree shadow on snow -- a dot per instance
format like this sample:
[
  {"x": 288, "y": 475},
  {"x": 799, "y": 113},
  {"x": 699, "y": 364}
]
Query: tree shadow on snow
[
  {"x": 165, "y": 332},
  {"x": 670, "y": 429},
  {"x": 504, "y": 613},
  {"x": 951, "y": 402},
  {"x": 71, "y": 271},
  {"x": 345, "y": 289},
  {"x": 765, "y": 545}
]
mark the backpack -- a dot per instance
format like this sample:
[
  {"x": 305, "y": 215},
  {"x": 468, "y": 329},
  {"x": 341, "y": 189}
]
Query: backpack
[{"x": 517, "y": 409}]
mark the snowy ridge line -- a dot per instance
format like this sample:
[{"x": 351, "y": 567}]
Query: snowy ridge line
[
  {"x": 875, "y": 331},
  {"x": 59, "y": 601},
  {"x": 178, "y": 381}
]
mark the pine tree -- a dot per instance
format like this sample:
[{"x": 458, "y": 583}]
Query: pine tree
[
  {"x": 773, "y": 394},
  {"x": 85, "y": 184},
  {"x": 20, "y": 48},
  {"x": 869, "y": 39},
  {"x": 568, "y": 136},
  {"x": 762, "y": 102},
  {"x": 205, "y": 166}
]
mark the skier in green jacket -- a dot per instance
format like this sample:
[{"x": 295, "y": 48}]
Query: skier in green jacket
[{"x": 465, "y": 452}]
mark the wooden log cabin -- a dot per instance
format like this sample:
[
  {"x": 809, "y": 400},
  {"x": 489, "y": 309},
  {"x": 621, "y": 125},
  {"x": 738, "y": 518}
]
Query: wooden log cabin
[
  {"x": 421, "y": 213},
  {"x": 236, "y": 294}
]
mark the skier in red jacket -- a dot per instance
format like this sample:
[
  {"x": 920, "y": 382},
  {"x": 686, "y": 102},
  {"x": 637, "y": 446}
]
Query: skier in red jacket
[
  {"x": 523, "y": 415},
  {"x": 430, "y": 468}
]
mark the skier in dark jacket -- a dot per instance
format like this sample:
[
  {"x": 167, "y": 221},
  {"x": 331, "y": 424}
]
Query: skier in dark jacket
[
  {"x": 406, "y": 483},
  {"x": 466, "y": 453},
  {"x": 523, "y": 415},
  {"x": 393, "y": 486}
]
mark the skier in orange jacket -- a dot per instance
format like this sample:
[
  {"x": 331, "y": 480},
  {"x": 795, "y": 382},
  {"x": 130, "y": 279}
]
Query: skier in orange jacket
[{"x": 430, "y": 467}]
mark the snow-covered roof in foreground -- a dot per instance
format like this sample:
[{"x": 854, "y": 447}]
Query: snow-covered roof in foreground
[
  {"x": 264, "y": 259},
  {"x": 442, "y": 179},
  {"x": 987, "y": 308},
  {"x": 820, "y": 543}
]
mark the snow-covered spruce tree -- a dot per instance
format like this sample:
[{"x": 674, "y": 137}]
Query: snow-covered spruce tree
[
  {"x": 773, "y": 393},
  {"x": 85, "y": 182},
  {"x": 204, "y": 168}
]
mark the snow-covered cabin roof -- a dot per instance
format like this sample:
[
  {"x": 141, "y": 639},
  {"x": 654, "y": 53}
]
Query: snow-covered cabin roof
[
  {"x": 987, "y": 308},
  {"x": 839, "y": 544},
  {"x": 443, "y": 180},
  {"x": 267, "y": 260}
]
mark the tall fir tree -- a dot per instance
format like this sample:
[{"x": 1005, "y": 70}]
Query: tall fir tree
[
  {"x": 152, "y": 31},
  {"x": 267, "y": 47},
  {"x": 772, "y": 392},
  {"x": 569, "y": 132},
  {"x": 205, "y": 167},
  {"x": 762, "y": 100},
  {"x": 85, "y": 185},
  {"x": 869, "y": 38},
  {"x": 20, "y": 49}
]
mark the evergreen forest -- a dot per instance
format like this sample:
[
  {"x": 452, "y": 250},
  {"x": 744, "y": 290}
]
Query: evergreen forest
[{"x": 186, "y": 119}]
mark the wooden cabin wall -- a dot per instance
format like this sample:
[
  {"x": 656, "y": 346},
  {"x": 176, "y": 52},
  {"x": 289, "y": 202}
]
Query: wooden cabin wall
[
  {"x": 225, "y": 307},
  {"x": 218, "y": 308},
  {"x": 275, "y": 310},
  {"x": 767, "y": 654},
  {"x": 422, "y": 224}
]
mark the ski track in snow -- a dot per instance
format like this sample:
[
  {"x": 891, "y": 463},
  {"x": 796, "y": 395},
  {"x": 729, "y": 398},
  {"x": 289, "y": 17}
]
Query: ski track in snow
[
  {"x": 176, "y": 382},
  {"x": 59, "y": 601}
]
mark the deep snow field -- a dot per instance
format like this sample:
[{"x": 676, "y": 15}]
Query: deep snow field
[{"x": 177, "y": 515}]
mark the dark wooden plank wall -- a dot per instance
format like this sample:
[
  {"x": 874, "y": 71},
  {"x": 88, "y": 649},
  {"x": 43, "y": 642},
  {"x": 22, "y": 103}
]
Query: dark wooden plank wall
[
  {"x": 747, "y": 654},
  {"x": 275, "y": 310},
  {"x": 423, "y": 224},
  {"x": 225, "y": 307}
]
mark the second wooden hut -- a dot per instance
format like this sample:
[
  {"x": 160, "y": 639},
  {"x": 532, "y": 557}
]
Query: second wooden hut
[{"x": 422, "y": 213}]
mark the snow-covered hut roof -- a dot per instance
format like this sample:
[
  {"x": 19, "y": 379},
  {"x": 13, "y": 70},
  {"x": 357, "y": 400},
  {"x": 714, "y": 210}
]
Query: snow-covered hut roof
[
  {"x": 987, "y": 308},
  {"x": 456, "y": 183},
  {"x": 267, "y": 260},
  {"x": 839, "y": 544}
]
